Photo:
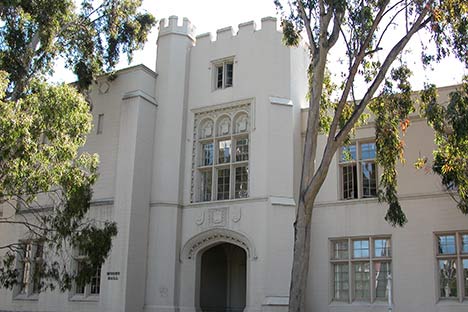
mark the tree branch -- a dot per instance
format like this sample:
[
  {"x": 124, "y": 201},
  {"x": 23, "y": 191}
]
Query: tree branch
[
  {"x": 418, "y": 25},
  {"x": 353, "y": 71}
]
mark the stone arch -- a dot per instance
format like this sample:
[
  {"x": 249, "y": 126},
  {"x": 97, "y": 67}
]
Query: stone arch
[{"x": 215, "y": 236}]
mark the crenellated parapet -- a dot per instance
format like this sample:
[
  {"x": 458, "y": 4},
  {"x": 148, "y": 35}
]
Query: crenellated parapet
[
  {"x": 171, "y": 26},
  {"x": 268, "y": 25}
]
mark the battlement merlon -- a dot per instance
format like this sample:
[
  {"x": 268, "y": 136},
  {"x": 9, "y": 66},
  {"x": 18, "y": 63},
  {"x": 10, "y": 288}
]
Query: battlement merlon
[
  {"x": 170, "y": 26},
  {"x": 269, "y": 24}
]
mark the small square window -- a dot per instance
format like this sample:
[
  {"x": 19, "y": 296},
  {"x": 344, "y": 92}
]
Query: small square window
[
  {"x": 464, "y": 248},
  {"x": 223, "y": 74},
  {"x": 207, "y": 154},
  {"x": 224, "y": 151},
  {"x": 361, "y": 249},
  {"x": 340, "y": 249},
  {"x": 382, "y": 248},
  {"x": 447, "y": 245},
  {"x": 242, "y": 149}
]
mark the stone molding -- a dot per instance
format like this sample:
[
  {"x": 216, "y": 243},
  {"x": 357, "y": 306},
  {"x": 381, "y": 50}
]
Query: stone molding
[{"x": 213, "y": 237}]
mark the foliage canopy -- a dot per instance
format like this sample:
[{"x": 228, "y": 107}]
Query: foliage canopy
[
  {"x": 373, "y": 36},
  {"x": 45, "y": 181}
]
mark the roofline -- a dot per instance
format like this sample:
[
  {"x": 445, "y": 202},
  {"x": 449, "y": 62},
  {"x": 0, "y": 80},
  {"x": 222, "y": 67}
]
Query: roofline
[
  {"x": 130, "y": 69},
  {"x": 454, "y": 86}
]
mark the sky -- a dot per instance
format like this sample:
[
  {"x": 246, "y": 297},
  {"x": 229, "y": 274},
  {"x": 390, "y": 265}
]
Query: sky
[{"x": 210, "y": 15}]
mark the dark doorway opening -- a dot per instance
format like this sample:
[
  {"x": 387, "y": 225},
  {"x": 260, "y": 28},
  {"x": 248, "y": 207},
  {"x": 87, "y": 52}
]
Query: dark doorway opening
[{"x": 223, "y": 279}]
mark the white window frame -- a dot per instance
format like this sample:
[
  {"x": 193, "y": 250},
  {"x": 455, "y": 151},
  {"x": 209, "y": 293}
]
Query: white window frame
[
  {"x": 223, "y": 64},
  {"x": 86, "y": 295},
  {"x": 358, "y": 162},
  {"x": 350, "y": 261},
  {"x": 458, "y": 257},
  {"x": 28, "y": 292}
]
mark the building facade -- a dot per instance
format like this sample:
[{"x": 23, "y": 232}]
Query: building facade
[{"x": 199, "y": 168}]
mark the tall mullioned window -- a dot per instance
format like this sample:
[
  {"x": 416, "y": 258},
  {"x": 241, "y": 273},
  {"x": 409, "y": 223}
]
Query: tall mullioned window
[
  {"x": 222, "y": 165},
  {"x": 358, "y": 170},
  {"x": 452, "y": 265},
  {"x": 29, "y": 266},
  {"x": 361, "y": 268},
  {"x": 91, "y": 290}
]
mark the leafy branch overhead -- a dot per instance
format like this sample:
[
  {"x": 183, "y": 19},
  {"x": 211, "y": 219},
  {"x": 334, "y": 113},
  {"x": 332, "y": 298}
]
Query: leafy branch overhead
[
  {"x": 45, "y": 181},
  {"x": 90, "y": 38}
]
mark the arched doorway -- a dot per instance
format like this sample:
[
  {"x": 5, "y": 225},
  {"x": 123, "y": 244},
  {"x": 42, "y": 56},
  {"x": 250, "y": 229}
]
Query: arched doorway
[{"x": 223, "y": 279}]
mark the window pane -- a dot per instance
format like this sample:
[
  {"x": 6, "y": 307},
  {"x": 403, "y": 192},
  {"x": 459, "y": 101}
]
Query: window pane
[
  {"x": 350, "y": 190},
  {"x": 206, "y": 185},
  {"x": 447, "y": 245},
  {"x": 361, "y": 249},
  {"x": 223, "y": 184},
  {"x": 242, "y": 180},
  {"x": 242, "y": 149},
  {"x": 464, "y": 243},
  {"x": 382, "y": 248},
  {"x": 229, "y": 74},
  {"x": 340, "y": 249},
  {"x": 341, "y": 280},
  {"x": 95, "y": 284},
  {"x": 224, "y": 151},
  {"x": 25, "y": 277},
  {"x": 381, "y": 271},
  {"x": 368, "y": 151},
  {"x": 369, "y": 184},
  {"x": 448, "y": 278},
  {"x": 207, "y": 154},
  {"x": 80, "y": 287},
  {"x": 465, "y": 276},
  {"x": 219, "y": 76},
  {"x": 348, "y": 153},
  {"x": 361, "y": 281}
]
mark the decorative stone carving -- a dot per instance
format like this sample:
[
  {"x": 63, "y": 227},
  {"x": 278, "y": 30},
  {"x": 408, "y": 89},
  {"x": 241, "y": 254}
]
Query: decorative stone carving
[
  {"x": 103, "y": 87},
  {"x": 224, "y": 125},
  {"x": 206, "y": 129},
  {"x": 163, "y": 292},
  {"x": 241, "y": 124},
  {"x": 214, "y": 236},
  {"x": 201, "y": 218},
  {"x": 217, "y": 217},
  {"x": 236, "y": 214}
]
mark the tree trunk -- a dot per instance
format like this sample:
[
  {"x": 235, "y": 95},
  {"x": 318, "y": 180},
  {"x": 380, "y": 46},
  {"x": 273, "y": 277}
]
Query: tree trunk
[{"x": 300, "y": 266}]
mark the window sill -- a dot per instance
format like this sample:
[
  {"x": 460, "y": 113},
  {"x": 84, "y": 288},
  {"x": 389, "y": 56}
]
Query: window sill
[
  {"x": 81, "y": 298},
  {"x": 25, "y": 297},
  {"x": 451, "y": 302},
  {"x": 359, "y": 304},
  {"x": 358, "y": 199},
  {"x": 226, "y": 201}
]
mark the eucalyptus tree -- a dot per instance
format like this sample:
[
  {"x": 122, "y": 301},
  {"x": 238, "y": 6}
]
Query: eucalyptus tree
[
  {"x": 373, "y": 35},
  {"x": 45, "y": 182}
]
